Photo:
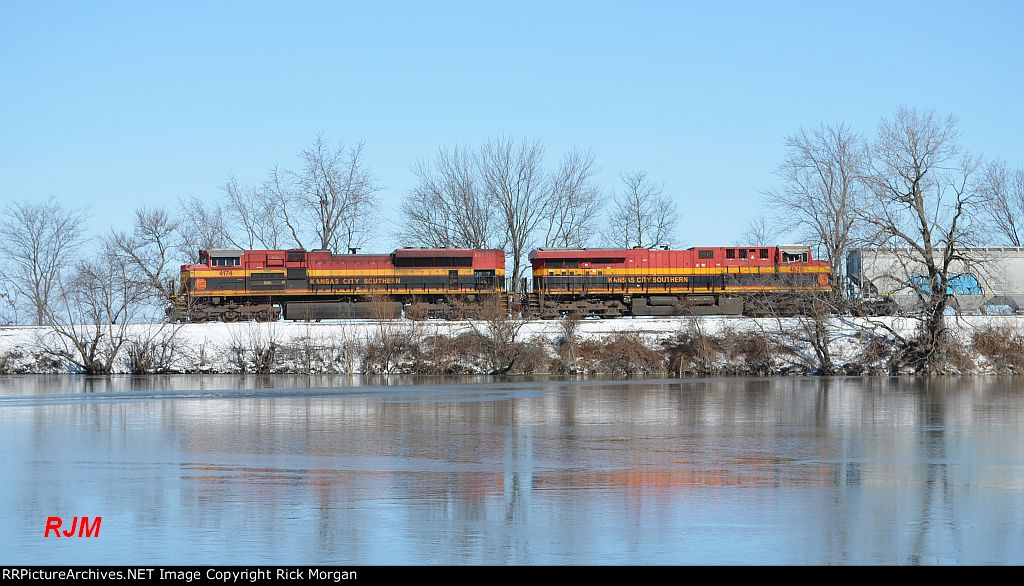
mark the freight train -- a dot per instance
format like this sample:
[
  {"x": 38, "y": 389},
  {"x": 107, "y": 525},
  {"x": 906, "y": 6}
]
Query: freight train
[{"x": 242, "y": 285}]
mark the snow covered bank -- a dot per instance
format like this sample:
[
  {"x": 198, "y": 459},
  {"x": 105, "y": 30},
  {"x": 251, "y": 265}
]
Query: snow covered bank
[{"x": 682, "y": 346}]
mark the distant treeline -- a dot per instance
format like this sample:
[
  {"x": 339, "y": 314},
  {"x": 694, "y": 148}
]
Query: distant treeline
[{"x": 909, "y": 187}]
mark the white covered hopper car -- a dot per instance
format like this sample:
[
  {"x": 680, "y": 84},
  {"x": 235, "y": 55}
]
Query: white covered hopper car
[{"x": 993, "y": 282}]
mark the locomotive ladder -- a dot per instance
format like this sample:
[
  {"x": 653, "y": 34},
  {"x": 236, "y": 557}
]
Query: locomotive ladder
[
  {"x": 507, "y": 301},
  {"x": 533, "y": 302},
  {"x": 180, "y": 308},
  {"x": 515, "y": 303}
]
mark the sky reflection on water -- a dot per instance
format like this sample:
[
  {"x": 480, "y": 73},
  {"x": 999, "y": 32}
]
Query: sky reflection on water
[{"x": 299, "y": 470}]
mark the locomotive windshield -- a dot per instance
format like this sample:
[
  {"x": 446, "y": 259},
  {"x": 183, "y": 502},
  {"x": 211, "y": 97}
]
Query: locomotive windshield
[{"x": 226, "y": 261}]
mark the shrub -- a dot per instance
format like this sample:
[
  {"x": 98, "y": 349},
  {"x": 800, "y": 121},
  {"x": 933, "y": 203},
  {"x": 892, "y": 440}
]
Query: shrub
[
  {"x": 627, "y": 354},
  {"x": 693, "y": 352},
  {"x": 1002, "y": 346},
  {"x": 451, "y": 355},
  {"x": 255, "y": 347}
]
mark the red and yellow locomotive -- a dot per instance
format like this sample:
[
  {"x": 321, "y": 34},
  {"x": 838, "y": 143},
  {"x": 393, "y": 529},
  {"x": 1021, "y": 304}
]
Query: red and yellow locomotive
[
  {"x": 240, "y": 285},
  {"x": 730, "y": 280}
]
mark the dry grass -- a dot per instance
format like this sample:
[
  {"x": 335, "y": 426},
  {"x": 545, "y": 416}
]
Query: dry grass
[
  {"x": 533, "y": 357},
  {"x": 694, "y": 352},
  {"x": 498, "y": 335},
  {"x": 439, "y": 354},
  {"x": 155, "y": 351},
  {"x": 254, "y": 348},
  {"x": 318, "y": 353},
  {"x": 626, "y": 354},
  {"x": 750, "y": 353},
  {"x": 1002, "y": 346},
  {"x": 567, "y": 347}
]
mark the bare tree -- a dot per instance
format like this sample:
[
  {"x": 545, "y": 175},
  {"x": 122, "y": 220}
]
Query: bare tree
[
  {"x": 758, "y": 232},
  {"x": 256, "y": 215},
  {"x": 89, "y": 324},
  {"x": 1004, "y": 191},
  {"x": 333, "y": 194},
  {"x": 149, "y": 251},
  {"x": 573, "y": 203},
  {"x": 201, "y": 227},
  {"x": 821, "y": 181},
  {"x": 38, "y": 241},
  {"x": 513, "y": 179},
  {"x": 922, "y": 208},
  {"x": 642, "y": 214},
  {"x": 448, "y": 208},
  {"x": 330, "y": 202}
]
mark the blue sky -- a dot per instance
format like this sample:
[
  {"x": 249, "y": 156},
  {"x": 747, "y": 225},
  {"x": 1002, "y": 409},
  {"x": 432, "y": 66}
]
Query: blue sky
[{"x": 112, "y": 105}]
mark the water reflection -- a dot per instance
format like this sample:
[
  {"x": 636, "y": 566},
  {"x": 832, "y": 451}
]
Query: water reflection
[{"x": 316, "y": 469}]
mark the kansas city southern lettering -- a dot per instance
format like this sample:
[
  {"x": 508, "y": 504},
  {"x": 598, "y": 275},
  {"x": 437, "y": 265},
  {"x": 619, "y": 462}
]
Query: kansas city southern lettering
[
  {"x": 654, "y": 279},
  {"x": 355, "y": 281}
]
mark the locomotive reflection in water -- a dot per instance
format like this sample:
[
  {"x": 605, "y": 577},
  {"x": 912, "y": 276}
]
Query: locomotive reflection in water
[{"x": 419, "y": 283}]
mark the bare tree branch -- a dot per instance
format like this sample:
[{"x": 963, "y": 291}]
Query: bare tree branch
[
  {"x": 1003, "y": 189},
  {"x": 201, "y": 227},
  {"x": 758, "y": 232},
  {"x": 642, "y": 214},
  {"x": 149, "y": 252},
  {"x": 513, "y": 180},
  {"x": 574, "y": 202},
  {"x": 448, "y": 208},
  {"x": 821, "y": 181},
  {"x": 279, "y": 188},
  {"x": 89, "y": 325},
  {"x": 256, "y": 215},
  {"x": 334, "y": 194}
]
